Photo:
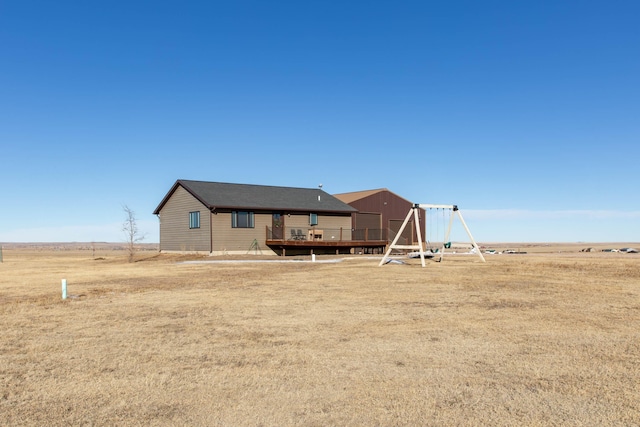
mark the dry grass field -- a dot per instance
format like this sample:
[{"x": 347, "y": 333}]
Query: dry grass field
[{"x": 551, "y": 337}]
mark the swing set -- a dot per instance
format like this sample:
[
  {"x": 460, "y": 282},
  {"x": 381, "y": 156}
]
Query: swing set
[{"x": 446, "y": 244}]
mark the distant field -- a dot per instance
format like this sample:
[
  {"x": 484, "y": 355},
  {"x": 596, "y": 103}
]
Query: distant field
[{"x": 550, "y": 337}]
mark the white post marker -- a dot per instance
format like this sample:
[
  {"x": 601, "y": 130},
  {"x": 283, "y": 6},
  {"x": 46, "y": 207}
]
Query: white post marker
[
  {"x": 64, "y": 288},
  {"x": 313, "y": 256}
]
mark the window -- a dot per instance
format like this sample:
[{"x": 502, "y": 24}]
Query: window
[
  {"x": 240, "y": 219},
  {"x": 313, "y": 219},
  {"x": 194, "y": 219}
]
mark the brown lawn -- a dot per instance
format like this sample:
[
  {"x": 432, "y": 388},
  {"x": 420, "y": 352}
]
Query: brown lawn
[{"x": 551, "y": 337}]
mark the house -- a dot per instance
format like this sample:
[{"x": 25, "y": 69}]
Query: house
[
  {"x": 379, "y": 215},
  {"x": 224, "y": 218}
]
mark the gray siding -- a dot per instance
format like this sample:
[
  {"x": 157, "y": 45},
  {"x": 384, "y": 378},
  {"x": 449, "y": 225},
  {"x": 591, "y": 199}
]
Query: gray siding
[
  {"x": 331, "y": 225},
  {"x": 228, "y": 240},
  {"x": 175, "y": 234}
]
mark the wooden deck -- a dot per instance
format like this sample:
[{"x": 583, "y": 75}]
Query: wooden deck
[{"x": 340, "y": 246}]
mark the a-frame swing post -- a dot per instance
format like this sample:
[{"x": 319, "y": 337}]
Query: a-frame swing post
[
  {"x": 473, "y": 242},
  {"x": 394, "y": 245},
  {"x": 464, "y": 224},
  {"x": 416, "y": 217}
]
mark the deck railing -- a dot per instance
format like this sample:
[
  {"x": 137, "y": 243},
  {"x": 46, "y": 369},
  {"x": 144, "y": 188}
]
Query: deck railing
[
  {"x": 293, "y": 234},
  {"x": 325, "y": 234}
]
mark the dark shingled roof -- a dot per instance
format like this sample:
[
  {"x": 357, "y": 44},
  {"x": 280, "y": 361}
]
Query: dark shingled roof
[{"x": 259, "y": 197}]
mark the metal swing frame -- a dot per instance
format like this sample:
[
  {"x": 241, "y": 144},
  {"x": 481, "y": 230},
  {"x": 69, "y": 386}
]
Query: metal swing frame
[{"x": 420, "y": 247}]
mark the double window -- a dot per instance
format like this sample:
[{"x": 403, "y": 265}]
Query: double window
[
  {"x": 194, "y": 219},
  {"x": 242, "y": 219}
]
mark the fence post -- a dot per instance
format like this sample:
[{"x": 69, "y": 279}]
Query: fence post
[{"x": 64, "y": 288}]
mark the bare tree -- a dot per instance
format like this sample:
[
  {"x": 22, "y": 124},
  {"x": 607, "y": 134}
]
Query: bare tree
[{"x": 131, "y": 231}]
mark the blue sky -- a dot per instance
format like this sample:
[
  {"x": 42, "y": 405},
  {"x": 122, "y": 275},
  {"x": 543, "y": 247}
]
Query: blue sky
[{"x": 525, "y": 114}]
